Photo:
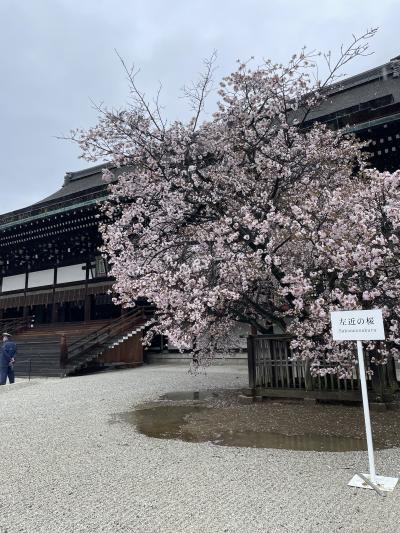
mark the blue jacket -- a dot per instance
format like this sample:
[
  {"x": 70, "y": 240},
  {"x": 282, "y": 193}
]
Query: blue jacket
[{"x": 8, "y": 352}]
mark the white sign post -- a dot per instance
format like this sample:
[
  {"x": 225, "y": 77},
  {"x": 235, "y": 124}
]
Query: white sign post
[{"x": 359, "y": 326}]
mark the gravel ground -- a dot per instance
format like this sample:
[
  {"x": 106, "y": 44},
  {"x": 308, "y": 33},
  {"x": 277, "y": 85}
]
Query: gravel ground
[{"x": 68, "y": 464}]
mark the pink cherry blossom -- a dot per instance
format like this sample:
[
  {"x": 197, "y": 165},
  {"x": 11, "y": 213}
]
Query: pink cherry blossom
[{"x": 249, "y": 217}]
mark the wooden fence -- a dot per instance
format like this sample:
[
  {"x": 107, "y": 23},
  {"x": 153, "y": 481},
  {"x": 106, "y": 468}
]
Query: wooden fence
[{"x": 273, "y": 373}]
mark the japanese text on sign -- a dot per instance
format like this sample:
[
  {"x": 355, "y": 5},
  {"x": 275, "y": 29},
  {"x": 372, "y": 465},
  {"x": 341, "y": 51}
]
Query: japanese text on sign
[{"x": 357, "y": 325}]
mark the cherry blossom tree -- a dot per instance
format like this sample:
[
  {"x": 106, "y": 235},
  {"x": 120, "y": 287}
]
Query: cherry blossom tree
[
  {"x": 253, "y": 216},
  {"x": 353, "y": 264}
]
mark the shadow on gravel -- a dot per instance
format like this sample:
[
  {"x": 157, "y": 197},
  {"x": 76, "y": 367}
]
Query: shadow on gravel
[{"x": 219, "y": 417}]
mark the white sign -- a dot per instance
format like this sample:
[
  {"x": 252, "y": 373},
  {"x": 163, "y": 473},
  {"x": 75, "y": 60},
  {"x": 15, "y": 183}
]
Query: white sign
[{"x": 357, "y": 325}]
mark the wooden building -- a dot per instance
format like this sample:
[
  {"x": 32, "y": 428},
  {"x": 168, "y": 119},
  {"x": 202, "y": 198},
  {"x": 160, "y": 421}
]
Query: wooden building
[
  {"x": 51, "y": 268},
  {"x": 49, "y": 261},
  {"x": 367, "y": 105},
  {"x": 52, "y": 273}
]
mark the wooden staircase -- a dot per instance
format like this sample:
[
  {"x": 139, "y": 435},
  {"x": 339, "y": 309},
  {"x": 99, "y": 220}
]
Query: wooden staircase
[
  {"x": 65, "y": 348},
  {"x": 100, "y": 345}
]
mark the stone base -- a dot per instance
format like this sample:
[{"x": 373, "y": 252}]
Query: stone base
[{"x": 383, "y": 483}]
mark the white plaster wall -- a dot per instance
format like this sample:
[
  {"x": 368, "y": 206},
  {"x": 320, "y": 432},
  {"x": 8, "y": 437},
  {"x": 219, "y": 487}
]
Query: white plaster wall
[
  {"x": 71, "y": 273},
  {"x": 13, "y": 283},
  {"x": 40, "y": 278}
]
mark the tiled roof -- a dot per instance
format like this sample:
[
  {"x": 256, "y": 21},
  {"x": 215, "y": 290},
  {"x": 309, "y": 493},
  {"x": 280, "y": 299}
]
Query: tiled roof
[
  {"x": 79, "y": 189},
  {"x": 378, "y": 87}
]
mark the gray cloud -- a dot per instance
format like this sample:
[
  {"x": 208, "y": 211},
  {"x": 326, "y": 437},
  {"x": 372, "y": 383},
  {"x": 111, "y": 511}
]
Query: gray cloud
[{"x": 57, "y": 54}]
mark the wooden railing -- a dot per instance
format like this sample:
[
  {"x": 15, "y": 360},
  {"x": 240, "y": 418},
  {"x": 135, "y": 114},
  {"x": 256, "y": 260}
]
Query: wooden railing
[
  {"x": 100, "y": 338},
  {"x": 272, "y": 370},
  {"x": 14, "y": 325},
  {"x": 23, "y": 367}
]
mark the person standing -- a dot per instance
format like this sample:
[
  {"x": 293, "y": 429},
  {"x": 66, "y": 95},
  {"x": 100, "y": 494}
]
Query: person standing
[{"x": 7, "y": 358}]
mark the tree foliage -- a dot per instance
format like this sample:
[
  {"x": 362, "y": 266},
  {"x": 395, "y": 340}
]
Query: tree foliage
[{"x": 253, "y": 216}]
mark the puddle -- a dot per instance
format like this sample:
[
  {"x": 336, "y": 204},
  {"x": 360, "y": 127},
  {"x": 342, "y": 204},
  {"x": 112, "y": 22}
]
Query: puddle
[
  {"x": 307, "y": 442},
  {"x": 219, "y": 417},
  {"x": 195, "y": 424},
  {"x": 165, "y": 422}
]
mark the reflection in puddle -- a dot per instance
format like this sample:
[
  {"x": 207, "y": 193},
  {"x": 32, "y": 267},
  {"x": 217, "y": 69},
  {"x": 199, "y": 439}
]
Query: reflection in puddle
[
  {"x": 308, "y": 442},
  {"x": 165, "y": 422},
  {"x": 196, "y": 423}
]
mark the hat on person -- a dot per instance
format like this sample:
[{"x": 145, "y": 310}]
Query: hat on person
[{"x": 5, "y": 334}]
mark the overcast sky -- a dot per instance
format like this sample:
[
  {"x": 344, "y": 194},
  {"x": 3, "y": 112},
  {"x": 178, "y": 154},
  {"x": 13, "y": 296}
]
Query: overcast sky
[{"x": 57, "y": 55}]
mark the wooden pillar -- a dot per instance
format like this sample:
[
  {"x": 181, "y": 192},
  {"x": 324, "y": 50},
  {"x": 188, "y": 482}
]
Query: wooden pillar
[
  {"x": 63, "y": 351},
  {"x": 391, "y": 373},
  {"x": 308, "y": 381},
  {"x": 61, "y": 311},
  {"x": 251, "y": 362},
  {"x": 54, "y": 312},
  {"x": 54, "y": 308},
  {"x": 88, "y": 308},
  {"x": 87, "y": 301},
  {"x": 25, "y": 310},
  {"x": 376, "y": 378}
]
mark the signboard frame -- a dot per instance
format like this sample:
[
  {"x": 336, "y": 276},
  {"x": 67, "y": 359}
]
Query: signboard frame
[{"x": 359, "y": 325}]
